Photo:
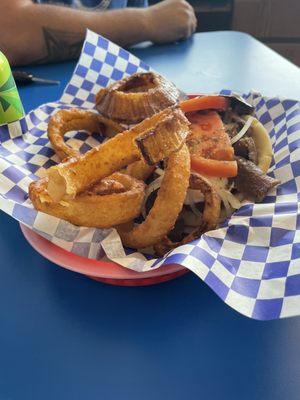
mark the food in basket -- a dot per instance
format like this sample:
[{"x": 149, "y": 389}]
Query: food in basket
[{"x": 172, "y": 175}]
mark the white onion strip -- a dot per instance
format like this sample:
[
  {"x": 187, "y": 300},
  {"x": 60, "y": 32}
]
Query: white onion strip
[
  {"x": 243, "y": 131},
  {"x": 230, "y": 201},
  {"x": 159, "y": 171},
  {"x": 195, "y": 210},
  {"x": 150, "y": 189},
  {"x": 193, "y": 196}
]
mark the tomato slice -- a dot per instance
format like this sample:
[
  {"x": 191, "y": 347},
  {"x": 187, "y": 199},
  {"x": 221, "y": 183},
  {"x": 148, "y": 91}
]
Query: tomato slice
[
  {"x": 205, "y": 103},
  {"x": 208, "y": 137},
  {"x": 209, "y": 145},
  {"x": 221, "y": 169}
]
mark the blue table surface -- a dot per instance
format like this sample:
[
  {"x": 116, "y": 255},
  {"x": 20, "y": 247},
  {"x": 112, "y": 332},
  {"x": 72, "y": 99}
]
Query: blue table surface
[{"x": 64, "y": 336}]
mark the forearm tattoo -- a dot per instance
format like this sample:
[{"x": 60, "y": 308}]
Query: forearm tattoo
[{"x": 60, "y": 45}]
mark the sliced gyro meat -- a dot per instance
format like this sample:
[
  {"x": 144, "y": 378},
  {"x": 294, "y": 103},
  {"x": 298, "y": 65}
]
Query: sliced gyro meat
[
  {"x": 246, "y": 148},
  {"x": 252, "y": 182}
]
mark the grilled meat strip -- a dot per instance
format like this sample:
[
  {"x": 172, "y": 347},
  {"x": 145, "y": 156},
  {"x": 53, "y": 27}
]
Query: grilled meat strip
[{"x": 252, "y": 181}]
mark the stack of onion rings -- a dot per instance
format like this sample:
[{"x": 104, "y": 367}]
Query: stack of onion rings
[
  {"x": 87, "y": 190},
  {"x": 73, "y": 176}
]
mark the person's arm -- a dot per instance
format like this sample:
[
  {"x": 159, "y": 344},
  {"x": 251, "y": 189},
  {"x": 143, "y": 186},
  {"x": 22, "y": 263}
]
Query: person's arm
[{"x": 35, "y": 33}]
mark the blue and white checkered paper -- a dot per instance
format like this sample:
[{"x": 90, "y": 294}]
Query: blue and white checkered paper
[{"x": 251, "y": 262}]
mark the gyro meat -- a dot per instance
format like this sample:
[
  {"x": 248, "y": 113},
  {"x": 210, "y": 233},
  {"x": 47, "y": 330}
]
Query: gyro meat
[
  {"x": 252, "y": 181},
  {"x": 246, "y": 148}
]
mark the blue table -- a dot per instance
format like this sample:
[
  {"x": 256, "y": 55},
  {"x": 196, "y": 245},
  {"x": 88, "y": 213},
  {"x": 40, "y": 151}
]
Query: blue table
[{"x": 63, "y": 336}]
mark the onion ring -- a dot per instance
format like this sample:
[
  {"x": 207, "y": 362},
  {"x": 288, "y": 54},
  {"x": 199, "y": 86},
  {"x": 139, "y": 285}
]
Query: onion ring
[
  {"x": 155, "y": 145},
  {"x": 140, "y": 170},
  {"x": 211, "y": 214},
  {"x": 107, "y": 186},
  {"x": 167, "y": 206},
  {"x": 76, "y": 174},
  {"x": 91, "y": 209},
  {"x": 136, "y": 97},
  {"x": 212, "y": 209},
  {"x": 75, "y": 119}
]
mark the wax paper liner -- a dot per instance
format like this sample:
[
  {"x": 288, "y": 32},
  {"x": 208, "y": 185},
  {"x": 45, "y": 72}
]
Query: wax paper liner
[{"x": 251, "y": 263}]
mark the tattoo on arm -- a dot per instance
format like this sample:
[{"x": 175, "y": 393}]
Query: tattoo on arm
[{"x": 60, "y": 45}]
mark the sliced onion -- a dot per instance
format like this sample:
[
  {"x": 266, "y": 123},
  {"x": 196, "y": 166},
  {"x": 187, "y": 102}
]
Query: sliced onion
[
  {"x": 159, "y": 171},
  {"x": 230, "y": 201},
  {"x": 195, "y": 210},
  {"x": 193, "y": 196},
  {"x": 150, "y": 189},
  {"x": 243, "y": 131},
  {"x": 228, "y": 209},
  {"x": 218, "y": 183}
]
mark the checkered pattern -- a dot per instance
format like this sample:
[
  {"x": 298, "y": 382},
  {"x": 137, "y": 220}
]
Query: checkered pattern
[
  {"x": 251, "y": 262},
  {"x": 101, "y": 63}
]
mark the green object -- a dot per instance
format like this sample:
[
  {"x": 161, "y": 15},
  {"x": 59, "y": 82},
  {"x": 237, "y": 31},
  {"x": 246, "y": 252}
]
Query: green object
[{"x": 11, "y": 107}]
